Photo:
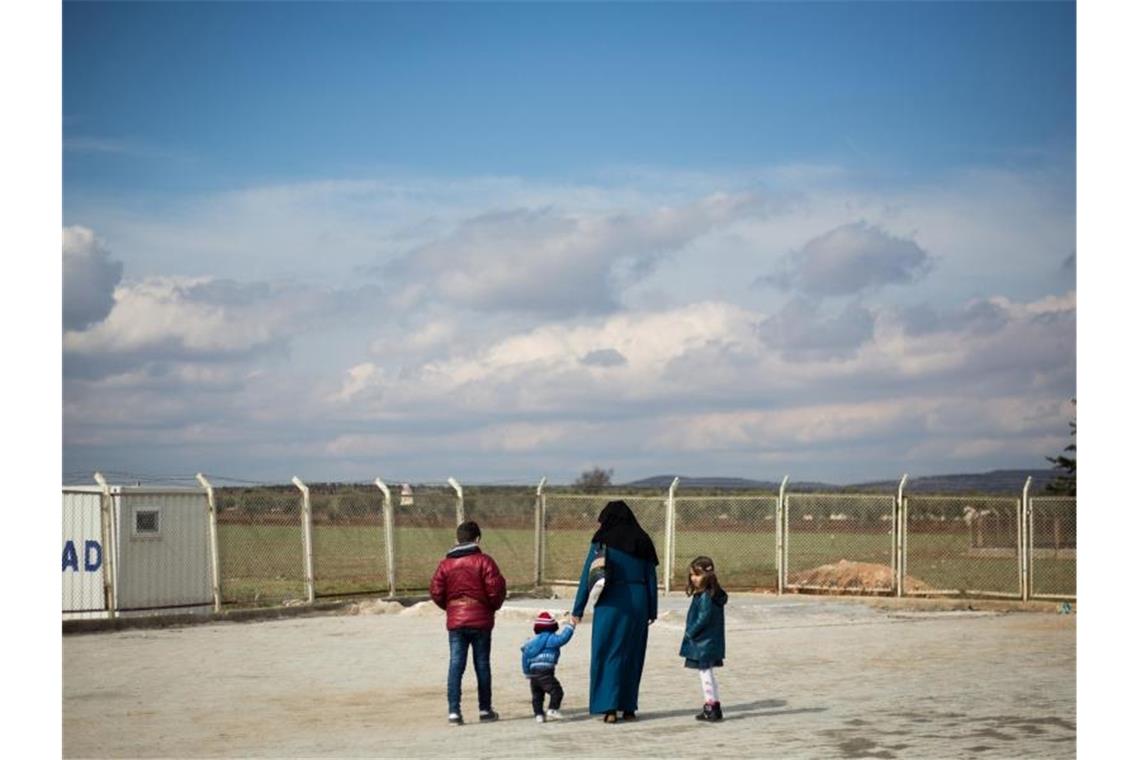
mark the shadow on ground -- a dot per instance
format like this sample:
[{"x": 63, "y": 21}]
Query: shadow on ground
[{"x": 756, "y": 709}]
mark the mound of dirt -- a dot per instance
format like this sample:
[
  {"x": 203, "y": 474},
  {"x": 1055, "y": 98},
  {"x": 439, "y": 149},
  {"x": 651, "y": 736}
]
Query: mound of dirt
[
  {"x": 374, "y": 607},
  {"x": 422, "y": 609},
  {"x": 851, "y": 576}
]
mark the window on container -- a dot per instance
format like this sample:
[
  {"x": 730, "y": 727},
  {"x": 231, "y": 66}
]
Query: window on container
[{"x": 146, "y": 522}]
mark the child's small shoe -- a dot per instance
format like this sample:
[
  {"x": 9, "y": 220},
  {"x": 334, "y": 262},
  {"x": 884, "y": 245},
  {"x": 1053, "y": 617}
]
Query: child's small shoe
[
  {"x": 553, "y": 715},
  {"x": 455, "y": 719},
  {"x": 539, "y": 719},
  {"x": 711, "y": 712},
  {"x": 487, "y": 715}
]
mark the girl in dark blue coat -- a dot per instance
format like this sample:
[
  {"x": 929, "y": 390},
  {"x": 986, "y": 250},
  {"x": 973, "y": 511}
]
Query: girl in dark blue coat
[{"x": 703, "y": 644}]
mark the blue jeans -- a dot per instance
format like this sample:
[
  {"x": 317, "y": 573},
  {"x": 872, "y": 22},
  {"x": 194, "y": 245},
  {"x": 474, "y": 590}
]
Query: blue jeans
[{"x": 480, "y": 643}]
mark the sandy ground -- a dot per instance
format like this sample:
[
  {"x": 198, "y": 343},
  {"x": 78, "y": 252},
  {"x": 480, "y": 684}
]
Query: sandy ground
[{"x": 804, "y": 677}]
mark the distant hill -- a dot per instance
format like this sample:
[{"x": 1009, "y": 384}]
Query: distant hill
[{"x": 995, "y": 481}]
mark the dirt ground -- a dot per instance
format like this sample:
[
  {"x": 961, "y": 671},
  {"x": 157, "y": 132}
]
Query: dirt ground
[{"x": 804, "y": 677}]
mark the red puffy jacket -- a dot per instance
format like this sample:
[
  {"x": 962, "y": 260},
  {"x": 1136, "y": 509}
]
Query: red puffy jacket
[{"x": 470, "y": 587}]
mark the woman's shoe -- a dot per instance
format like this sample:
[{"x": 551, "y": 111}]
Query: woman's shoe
[
  {"x": 610, "y": 717},
  {"x": 628, "y": 715}
]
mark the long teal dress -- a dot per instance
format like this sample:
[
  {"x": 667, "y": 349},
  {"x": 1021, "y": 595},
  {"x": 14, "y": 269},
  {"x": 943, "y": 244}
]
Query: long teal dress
[{"x": 621, "y": 629}]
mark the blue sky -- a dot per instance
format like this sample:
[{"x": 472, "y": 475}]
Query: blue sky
[{"x": 506, "y": 241}]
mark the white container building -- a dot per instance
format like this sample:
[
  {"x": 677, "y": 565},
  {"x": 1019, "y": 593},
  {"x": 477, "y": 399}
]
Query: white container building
[{"x": 148, "y": 552}]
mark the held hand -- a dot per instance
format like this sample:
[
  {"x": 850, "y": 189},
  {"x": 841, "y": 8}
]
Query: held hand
[{"x": 575, "y": 619}]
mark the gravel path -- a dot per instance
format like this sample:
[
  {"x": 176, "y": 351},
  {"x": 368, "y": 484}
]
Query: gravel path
[{"x": 804, "y": 677}]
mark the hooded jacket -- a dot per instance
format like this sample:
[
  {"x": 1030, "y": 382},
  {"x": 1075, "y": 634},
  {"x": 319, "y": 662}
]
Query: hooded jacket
[
  {"x": 467, "y": 583},
  {"x": 540, "y": 654},
  {"x": 704, "y": 627}
]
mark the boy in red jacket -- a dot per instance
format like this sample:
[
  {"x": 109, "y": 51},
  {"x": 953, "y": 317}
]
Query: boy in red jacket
[{"x": 470, "y": 587}]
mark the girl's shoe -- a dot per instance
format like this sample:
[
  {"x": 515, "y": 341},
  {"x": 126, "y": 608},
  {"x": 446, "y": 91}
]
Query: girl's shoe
[
  {"x": 628, "y": 715},
  {"x": 610, "y": 717},
  {"x": 717, "y": 714},
  {"x": 706, "y": 713},
  {"x": 553, "y": 715}
]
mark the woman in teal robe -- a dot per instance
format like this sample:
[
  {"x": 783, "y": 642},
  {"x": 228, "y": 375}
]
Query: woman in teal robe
[{"x": 623, "y": 613}]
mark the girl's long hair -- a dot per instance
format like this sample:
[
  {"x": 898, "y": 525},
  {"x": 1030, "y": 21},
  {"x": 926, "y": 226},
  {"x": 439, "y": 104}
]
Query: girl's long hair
[{"x": 703, "y": 567}]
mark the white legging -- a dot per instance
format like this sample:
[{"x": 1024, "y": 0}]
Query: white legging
[{"x": 708, "y": 685}]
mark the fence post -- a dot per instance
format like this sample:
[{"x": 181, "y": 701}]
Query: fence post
[
  {"x": 1022, "y": 551},
  {"x": 215, "y": 568},
  {"x": 781, "y": 547},
  {"x": 898, "y": 528},
  {"x": 389, "y": 549},
  {"x": 107, "y": 531},
  {"x": 539, "y": 531},
  {"x": 670, "y": 534},
  {"x": 307, "y": 536},
  {"x": 460, "y": 517}
]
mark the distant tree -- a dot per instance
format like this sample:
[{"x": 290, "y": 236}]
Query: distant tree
[
  {"x": 593, "y": 481},
  {"x": 1065, "y": 484}
]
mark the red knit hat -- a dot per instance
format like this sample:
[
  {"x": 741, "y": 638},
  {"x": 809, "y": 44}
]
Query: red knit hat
[{"x": 545, "y": 622}]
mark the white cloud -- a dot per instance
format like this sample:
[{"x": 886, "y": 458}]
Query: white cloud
[
  {"x": 560, "y": 324},
  {"x": 542, "y": 260},
  {"x": 177, "y": 319},
  {"x": 89, "y": 278},
  {"x": 714, "y": 352}
]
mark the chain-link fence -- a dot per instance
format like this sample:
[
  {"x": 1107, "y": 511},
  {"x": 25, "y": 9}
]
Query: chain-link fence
[
  {"x": 823, "y": 530},
  {"x": 162, "y": 549},
  {"x": 1052, "y": 540},
  {"x": 349, "y": 546},
  {"x": 507, "y": 521},
  {"x": 425, "y": 520},
  {"x": 261, "y": 551},
  {"x": 737, "y": 532},
  {"x": 572, "y": 519},
  {"x": 964, "y": 545}
]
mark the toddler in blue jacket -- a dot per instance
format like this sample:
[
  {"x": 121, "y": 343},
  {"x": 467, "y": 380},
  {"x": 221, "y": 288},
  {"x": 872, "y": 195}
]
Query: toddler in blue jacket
[{"x": 539, "y": 658}]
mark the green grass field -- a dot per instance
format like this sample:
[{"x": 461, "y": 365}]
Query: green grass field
[{"x": 263, "y": 564}]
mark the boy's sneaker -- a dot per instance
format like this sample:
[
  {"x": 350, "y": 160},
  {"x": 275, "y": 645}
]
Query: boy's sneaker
[
  {"x": 553, "y": 715},
  {"x": 455, "y": 719},
  {"x": 539, "y": 719},
  {"x": 487, "y": 715}
]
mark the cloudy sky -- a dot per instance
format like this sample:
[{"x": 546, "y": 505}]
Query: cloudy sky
[{"x": 501, "y": 242}]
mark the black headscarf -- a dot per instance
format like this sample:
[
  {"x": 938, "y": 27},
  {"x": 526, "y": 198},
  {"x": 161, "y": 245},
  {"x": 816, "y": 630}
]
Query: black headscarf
[{"x": 620, "y": 529}]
